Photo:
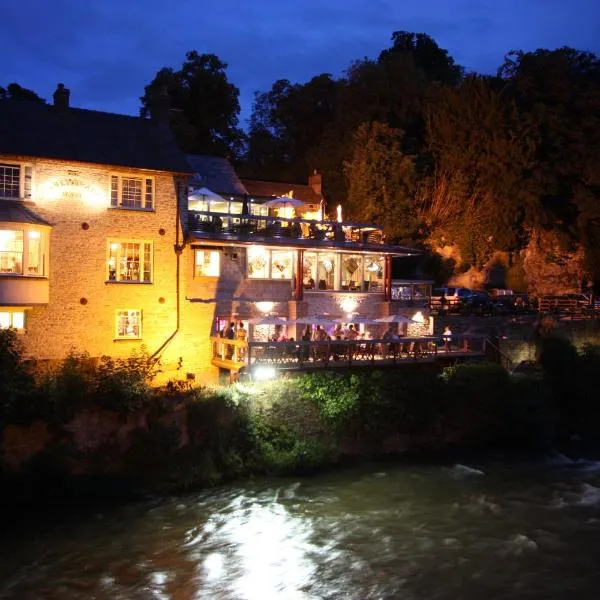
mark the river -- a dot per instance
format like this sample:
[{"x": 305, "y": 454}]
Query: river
[{"x": 468, "y": 531}]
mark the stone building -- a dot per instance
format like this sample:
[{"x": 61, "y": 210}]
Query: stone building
[
  {"x": 89, "y": 229},
  {"x": 111, "y": 239}
]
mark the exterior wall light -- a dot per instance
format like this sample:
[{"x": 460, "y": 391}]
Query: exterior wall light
[
  {"x": 264, "y": 373},
  {"x": 348, "y": 305},
  {"x": 265, "y": 307}
]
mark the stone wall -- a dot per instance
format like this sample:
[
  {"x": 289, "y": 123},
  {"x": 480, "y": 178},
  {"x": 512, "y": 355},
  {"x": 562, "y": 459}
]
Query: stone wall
[{"x": 81, "y": 314}]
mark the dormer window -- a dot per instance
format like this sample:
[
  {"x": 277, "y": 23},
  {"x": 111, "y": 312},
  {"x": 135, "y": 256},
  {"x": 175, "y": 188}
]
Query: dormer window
[
  {"x": 135, "y": 193},
  {"x": 15, "y": 182}
]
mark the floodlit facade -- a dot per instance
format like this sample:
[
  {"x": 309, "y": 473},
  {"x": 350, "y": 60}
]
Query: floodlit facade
[
  {"x": 111, "y": 239},
  {"x": 88, "y": 230}
]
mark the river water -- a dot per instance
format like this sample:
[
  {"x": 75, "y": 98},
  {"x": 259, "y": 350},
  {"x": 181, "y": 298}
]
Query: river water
[{"x": 464, "y": 531}]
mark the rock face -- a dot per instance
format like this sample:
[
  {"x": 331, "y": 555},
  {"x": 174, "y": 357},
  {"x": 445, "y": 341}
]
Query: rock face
[
  {"x": 544, "y": 267},
  {"x": 549, "y": 269}
]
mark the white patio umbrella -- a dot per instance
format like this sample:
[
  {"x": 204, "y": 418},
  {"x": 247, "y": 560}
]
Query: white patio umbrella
[
  {"x": 322, "y": 321},
  {"x": 270, "y": 320},
  {"x": 203, "y": 193},
  {"x": 283, "y": 201},
  {"x": 357, "y": 320},
  {"x": 395, "y": 319}
]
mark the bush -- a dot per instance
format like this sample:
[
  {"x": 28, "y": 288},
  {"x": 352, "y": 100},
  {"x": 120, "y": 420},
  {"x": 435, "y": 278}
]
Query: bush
[{"x": 17, "y": 387}]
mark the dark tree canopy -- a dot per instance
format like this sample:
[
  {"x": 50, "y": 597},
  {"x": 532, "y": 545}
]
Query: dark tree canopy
[
  {"x": 204, "y": 105},
  {"x": 14, "y": 91}
]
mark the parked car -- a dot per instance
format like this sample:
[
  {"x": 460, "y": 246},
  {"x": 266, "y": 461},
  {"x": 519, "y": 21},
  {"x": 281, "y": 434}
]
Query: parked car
[
  {"x": 516, "y": 303},
  {"x": 449, "y": 299},
  {"x": 482, "y": 304}
]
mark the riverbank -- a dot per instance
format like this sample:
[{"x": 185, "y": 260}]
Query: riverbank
[{"x": 93, "y": 430}]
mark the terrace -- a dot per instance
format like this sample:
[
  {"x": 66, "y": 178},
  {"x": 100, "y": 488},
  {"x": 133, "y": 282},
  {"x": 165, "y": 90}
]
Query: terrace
[
  {"x": 304, "y": 356},
  {"x": 295, "y": 231}
]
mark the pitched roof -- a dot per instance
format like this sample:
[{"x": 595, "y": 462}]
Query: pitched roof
[
  {"x": 269, "y": 189},
  {"x": 16, "y": 212},
  {"x": 43, "y": 131},
  {"x": 215, "y": 173}
]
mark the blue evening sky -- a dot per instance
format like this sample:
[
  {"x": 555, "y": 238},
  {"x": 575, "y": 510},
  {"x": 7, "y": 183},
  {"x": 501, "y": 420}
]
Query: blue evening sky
[{"x": 105, "y": 51}]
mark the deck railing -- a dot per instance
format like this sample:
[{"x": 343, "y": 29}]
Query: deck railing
[
  {"x": 236, "y": 224},
  {"x": 235, "y": 354}
]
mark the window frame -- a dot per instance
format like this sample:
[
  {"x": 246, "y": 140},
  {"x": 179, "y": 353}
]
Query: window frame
[
  {"x": 269, "y": 264},
  {"x": 139, "y": 312},
  {"x": 148, "y": 182},
  {"x": 198, "y": 275},
  {"x": 118, "y": 259},
  {"x": 11, "y": 312},
  {"x": 26, "y": 253},
  {"x": 25, "y": 181}
]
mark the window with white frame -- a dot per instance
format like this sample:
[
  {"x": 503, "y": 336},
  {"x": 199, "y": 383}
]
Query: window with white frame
[
  {"x": 132, "y": 192},
  {"x": 207, "y": 263},
  {"x": 12, "y": 319},
  {"x": 128, "y": 324},
  {"x": 15, "y": 181},
  {"x": 22, "y": 252},
  {"x": 129, "y": 261}
]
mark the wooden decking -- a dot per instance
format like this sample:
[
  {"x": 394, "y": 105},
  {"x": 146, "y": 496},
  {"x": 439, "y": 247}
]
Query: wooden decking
[{"x": 235, "y": 356}]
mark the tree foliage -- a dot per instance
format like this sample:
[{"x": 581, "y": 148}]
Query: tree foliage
[
  {"x": 381, "y": 180},
  {"x": 205, "y": 105},
  {"x": 14, "y": 91}
]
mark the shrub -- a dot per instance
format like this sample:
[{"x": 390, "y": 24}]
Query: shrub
[
  {"x": 337, "y": 396},
  {"x": 16, "y": 383}
]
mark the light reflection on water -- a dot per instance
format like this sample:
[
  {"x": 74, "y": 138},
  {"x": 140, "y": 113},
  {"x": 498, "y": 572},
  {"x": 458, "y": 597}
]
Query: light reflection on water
[{"x": 410, "y": 532}]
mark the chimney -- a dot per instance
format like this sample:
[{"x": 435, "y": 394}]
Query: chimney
[
  {"x": 61, "y": 97},
  {"x": 315, "y": 183},
  {"x": 161, "y": 109}
]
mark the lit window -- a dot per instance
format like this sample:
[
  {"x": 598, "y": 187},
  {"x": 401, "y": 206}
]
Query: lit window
[
  {"x": 11, "y": 251},
  {"x": 22, "y": 252},
  {"x": 207, "y": 263},
  {"x": 14, "y": 319},
  {"x": 269, "y": 264},
  {"x": 352, "y": 275},
  {"x": 129, "y": 324},
  {"x": 325, "y": 271},
  {"x": 129, "y": 261},
  {"x": 258, "y": 262},
  {"x": 374, "y": 273},
  {"x": 281, "y": 264},
  {"x": 15, "y": 182},
  {"x": 132, "y": 192}
]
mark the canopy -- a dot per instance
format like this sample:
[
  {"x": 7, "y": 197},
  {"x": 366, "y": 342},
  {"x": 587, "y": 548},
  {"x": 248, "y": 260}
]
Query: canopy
[
  {"x": 395, "y": 319},
  {"x": 283, "y": 201}
]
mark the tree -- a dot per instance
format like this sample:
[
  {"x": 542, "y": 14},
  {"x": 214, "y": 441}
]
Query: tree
[
  {"x": 481, "y": 194},
  {"x": 205, "y": 106},
  {"x": 15, "y": 92},
  {"x": 287, "y": 122},
  {"x": 381, "y": 181},
  {"x": 558, "y": 93}
]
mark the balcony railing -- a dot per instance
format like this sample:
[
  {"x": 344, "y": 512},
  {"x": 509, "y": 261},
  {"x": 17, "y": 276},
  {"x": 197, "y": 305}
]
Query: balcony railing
[
  {"x": 238, "y": 225},
  {"x": 300, "y": 355}
]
